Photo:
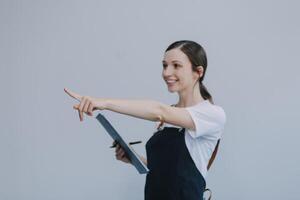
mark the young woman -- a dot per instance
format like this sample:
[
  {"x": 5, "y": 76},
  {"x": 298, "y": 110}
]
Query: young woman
[{"x": 182, "y": 149}]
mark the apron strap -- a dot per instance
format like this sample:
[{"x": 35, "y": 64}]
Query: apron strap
[
  {"x": 211, "y": 160},
  {"x": 213, "y": 156}
]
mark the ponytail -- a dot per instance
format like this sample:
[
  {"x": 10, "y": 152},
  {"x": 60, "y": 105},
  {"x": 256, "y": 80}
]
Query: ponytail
[{"x": 204, "y": 92}]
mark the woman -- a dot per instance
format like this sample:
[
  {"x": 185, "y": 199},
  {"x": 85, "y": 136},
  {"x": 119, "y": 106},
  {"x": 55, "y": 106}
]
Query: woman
[{"x": 180, "y": 152}]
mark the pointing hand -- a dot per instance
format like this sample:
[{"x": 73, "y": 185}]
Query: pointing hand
[{"x": 87, "y": 104}]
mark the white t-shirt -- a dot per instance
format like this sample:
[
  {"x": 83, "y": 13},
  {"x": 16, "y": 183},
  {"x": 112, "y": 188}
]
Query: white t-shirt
[{"x": 209, "y": 120}]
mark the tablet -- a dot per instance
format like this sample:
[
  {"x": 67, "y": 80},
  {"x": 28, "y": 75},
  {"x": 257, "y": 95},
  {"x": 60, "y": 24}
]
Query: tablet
[{"x": 132, "y": 155}]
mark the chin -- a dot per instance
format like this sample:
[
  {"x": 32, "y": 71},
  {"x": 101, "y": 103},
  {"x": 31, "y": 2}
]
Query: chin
[{"x": 172, "y": 90}]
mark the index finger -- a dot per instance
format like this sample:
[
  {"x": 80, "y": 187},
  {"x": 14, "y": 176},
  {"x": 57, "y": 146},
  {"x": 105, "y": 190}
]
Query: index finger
[{"x": 73, "y": 94}]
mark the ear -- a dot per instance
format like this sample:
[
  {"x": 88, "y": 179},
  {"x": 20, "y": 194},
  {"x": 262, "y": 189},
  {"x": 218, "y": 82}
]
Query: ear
[{"x": 200, "y": 71}]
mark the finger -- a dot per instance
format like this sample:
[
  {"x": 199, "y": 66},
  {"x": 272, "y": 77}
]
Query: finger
[
  {"x": 118, "y": 156},
  {"x": 80, "y": 115},
  {"x": 82, "y": 103},
  {"x": 81, "y": 108},
  {"x": 118, "y": 147},
  {"x": 76, "y": 107},
  {"x": 116, "y": 150},
  {"x": 122, "y": 154},
  {"x": 90, "y": 109},
  {"x": 119, "y": 151},
  {"x": 86, "y": 106},
  {"x": 73, "y": 94}
]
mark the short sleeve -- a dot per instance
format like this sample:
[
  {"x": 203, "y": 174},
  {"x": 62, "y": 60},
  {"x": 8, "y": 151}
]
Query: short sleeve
[{"x": 209, "y": 121}]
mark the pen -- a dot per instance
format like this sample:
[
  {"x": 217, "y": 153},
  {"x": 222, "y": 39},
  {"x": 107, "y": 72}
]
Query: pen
[
  {"x": 130, "y": 143},
  {"x": 137, "y": 142}
]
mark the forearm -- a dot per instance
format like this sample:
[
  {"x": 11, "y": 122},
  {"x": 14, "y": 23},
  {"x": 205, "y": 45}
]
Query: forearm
[{"x": 144, "y": 109}]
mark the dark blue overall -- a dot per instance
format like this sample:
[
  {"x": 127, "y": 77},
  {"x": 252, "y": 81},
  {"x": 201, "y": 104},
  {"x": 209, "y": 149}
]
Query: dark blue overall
[{"x": 172, "y": 172}]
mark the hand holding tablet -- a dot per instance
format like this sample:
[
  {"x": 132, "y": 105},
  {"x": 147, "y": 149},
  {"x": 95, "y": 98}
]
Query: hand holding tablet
[{"x": 132, "y": 155}]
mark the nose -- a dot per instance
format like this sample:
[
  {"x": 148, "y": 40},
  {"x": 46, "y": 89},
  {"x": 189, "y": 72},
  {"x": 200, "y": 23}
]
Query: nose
[{"x": 168, "y": 71}]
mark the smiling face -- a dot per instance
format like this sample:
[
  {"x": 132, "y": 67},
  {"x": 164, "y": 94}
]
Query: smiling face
[{"x": 177, "y": 71}]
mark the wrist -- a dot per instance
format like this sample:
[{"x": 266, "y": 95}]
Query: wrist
[{"x": 102, "y": 103}]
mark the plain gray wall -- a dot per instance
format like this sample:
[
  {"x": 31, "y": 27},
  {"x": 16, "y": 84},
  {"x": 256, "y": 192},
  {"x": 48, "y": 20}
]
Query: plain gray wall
[{"x": 113, "y": 49}]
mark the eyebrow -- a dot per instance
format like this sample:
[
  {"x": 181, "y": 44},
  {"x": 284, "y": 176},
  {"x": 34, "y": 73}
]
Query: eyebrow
[{"x": 173, "y": 61}]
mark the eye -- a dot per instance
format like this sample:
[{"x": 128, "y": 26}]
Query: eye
[
  {"x": 164, "y": 66},
  {"x": 176, "y": 65}
]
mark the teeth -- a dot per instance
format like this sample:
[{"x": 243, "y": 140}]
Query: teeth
[{"x": 171, "y": 81}]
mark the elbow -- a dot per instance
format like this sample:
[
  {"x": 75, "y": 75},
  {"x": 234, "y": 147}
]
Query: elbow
[{"x": 159, "y": 114}]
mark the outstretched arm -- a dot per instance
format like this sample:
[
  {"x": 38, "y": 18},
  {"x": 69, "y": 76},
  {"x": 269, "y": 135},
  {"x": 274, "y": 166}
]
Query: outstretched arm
[{"x": 144, "y": 109}]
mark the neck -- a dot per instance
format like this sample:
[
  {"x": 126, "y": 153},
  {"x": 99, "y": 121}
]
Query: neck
[{"x": 190, "y": 97}]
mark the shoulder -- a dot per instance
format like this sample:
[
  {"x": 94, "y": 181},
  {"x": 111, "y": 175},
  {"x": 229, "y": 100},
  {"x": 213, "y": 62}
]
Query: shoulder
[
  {"x": 208, "y": 110},
  {"x": 202, "y": 118},
  {"x": 209, "y": 120},
  {"x": 219, "y": 113}
]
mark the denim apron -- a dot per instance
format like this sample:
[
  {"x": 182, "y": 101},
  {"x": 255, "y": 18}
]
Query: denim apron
[{"x": 172, "y": 174}]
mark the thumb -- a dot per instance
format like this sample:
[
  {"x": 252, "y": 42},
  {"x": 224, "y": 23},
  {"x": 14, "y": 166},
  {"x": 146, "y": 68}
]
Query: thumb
[{"x": 76, "y": 107}]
